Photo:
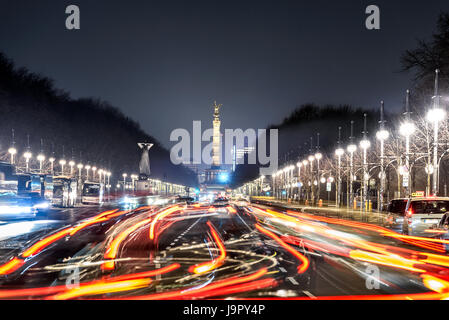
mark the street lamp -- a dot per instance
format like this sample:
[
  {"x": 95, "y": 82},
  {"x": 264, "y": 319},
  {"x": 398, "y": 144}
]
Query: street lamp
[
  {"x": 12, "y": 151},
  {"x": 79, "y": 166},
  {"x": 318, "y": 157},
  {"x": 87, "y": 167},
  {"x": 435, "y": 115},
  {"x": 124, "y": 180},
  {"x": 52, "y": 160},
  {"x": 339, "y": 152},
  {"x": 62, "y": 163},
  {"x": 71, "y": 164},
  {"x": 351, "y": 149},
  {"x": 299, "y": 165},
  {"x": 407, "y": 129},
  {"x": 382, "y": 135},
  {"x": 365, "y": 144},
  {"x": 100, "y": 173},
  {"x": 311, "y": 159},
  {"x": 40, "y": 158},
  {"x": 27, "y": 155},
  {"x": 109, "y": 179},
  {"x": 94, "y": 169},
  {"x": 133, "y": 178}
]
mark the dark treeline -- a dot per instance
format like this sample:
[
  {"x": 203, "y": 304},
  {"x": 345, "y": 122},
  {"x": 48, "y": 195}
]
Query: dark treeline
[
  {"x": 303, "y": 124},
  {"x": 89, "y": 129}
]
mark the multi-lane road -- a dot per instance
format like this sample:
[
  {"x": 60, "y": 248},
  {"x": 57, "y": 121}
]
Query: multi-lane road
[{"x": 201, "y": 251}]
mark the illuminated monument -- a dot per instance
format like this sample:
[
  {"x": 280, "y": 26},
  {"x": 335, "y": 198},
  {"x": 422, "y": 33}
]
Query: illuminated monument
[
  {"x": 216, "y": 178},
  {"x": 216, "y": 140},
  {"x": 143, "y": 184}
]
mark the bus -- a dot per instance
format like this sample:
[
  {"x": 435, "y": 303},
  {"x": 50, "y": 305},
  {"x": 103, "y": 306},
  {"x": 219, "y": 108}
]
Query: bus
[
  {"x": 92, "y": 193},
  {"x": 64, "y": 191}
]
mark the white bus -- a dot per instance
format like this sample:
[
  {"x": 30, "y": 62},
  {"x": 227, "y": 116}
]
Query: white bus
[{"x": 92, "y": 193}]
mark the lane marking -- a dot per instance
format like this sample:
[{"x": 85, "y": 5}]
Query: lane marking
[{"x": 309, "y": 294}]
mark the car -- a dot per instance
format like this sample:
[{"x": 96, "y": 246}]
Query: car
[
  {"x": 220, "y": 202},
  {"x": 395, "y": 213},
  {"x": 242, "y": 202},
  {"x": 13, "y": 207},
  {"x": 184, "y": 199},
  {"x": 424, "y": 213}
]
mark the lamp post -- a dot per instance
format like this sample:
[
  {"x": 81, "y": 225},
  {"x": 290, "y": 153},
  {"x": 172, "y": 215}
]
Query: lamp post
[
  {"x": 351, "y": 149},
  {"x": 124, "y": 181},
  {"x": 80, "y": 167},
  {"x": 87, "y": 167},
  {"x": 52, "y": 160},
  {"x": 27, "y": 155},
  {"x": 40, "y": 158},
  {"x": 434, "y": 116},
  {"x": 305, "y": 163},
  {"x": 94, "y": 169},
  {"x": 100, "y": 173},
  {"x": 339, "y": 153},
  {"x": 71, "y": 164},
  {"x": 382, "y": 135},
  {"x": 291, "y": 169},
  {"x": 318, "y": 157},
  {"x": 407, "y": 129},
  {"x": 299, "y": 165},
  {"x": 109, "y": 180},
  {"x": 62, "y": 163},
  {"x": 12, "y": 151},
  {"x": 365, "y": 144},
  {"x": 133, "y": 178},
  {"x": 312, "y": 178}
]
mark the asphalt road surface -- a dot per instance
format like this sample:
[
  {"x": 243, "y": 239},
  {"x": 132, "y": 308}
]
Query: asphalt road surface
[{"x": 240, "y": 250}]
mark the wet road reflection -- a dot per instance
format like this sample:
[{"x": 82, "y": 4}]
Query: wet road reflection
[{"x": 200, "y": 251}]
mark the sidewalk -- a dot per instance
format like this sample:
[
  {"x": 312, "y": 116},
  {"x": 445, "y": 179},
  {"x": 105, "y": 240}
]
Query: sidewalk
[{"x": 373, "y": 217}]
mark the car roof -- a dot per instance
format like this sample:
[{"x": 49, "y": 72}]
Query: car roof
[
  {"x": 421, "y": 198},
  {"x": 430, "y": 198}
]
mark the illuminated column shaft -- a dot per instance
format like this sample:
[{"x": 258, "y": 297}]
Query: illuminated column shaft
[{"x": 216, "y": 158}]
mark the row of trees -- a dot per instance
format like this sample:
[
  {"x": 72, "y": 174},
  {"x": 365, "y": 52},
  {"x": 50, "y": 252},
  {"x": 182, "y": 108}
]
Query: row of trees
[{"x": 88, "y": 130}]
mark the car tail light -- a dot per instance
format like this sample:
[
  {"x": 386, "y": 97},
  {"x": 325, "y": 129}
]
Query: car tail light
[{"x": 409, "y": 215}]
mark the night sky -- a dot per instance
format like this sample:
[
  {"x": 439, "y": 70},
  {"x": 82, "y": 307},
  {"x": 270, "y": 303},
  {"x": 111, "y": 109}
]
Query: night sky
[{"x": 163, "y": 63}]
